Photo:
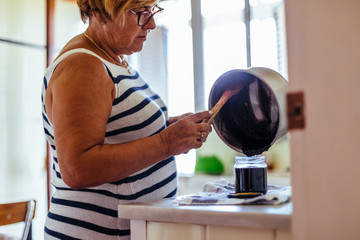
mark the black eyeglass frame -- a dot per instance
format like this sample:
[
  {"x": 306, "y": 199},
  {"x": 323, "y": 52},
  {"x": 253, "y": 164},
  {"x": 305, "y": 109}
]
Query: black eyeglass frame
[{"x": 139, "y": 14}]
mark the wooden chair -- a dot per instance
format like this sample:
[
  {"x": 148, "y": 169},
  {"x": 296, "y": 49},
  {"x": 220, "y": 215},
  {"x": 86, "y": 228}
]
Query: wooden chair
[{"x": 17, "y": 212}]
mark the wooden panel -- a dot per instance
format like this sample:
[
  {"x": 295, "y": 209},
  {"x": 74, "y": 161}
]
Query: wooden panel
[
  {"x": 175, "y": 231},
  {"x": 324, "y": 55},
  {"x": 50, "y": 12},
  {"x": 283, "y": 234},
  {"x": 235, "y": 233},
  {"x": 14, "y": 212}
]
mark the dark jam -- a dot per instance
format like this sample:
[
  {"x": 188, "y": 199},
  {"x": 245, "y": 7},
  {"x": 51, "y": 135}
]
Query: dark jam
[{"x": 250, "y": 180}]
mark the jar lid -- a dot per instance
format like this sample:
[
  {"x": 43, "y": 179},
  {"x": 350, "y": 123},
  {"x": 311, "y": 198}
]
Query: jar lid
[
  {"x": 250, "y": 158},
  {"x": 250, "y": 161},
  {"x": 244, "y": 195}
]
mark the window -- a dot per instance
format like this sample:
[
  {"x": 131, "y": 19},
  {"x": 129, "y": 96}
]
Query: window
[
  {"x": 224, "y": 39},
  {"x": 205, "y": 38},
  {"x": 177, "y": 89}
]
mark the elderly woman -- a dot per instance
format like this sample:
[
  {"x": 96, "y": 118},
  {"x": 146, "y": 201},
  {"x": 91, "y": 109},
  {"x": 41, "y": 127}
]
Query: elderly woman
[{"x": 111, "y": 140}]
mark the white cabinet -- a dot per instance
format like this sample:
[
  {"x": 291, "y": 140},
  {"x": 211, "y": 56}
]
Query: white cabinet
[
  {"x": 174, "y": 231},
  {"x": 282, "y": 234},
  {"x": 164, "y": 220},
  {"x": 180, "y": 231},
  {"x": 235, "y": 233}
]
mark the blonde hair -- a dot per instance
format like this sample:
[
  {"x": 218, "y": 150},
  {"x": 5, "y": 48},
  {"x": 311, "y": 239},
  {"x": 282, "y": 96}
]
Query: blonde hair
[{"x": 110, "y": 9}]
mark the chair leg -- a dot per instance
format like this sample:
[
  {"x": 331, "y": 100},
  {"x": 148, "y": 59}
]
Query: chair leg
[
  {"x": 29, "y": 237},
  {"x": 28, "y": 218}
]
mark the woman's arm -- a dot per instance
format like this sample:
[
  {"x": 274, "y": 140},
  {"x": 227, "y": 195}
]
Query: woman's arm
[{"x": 78, "y": 102}]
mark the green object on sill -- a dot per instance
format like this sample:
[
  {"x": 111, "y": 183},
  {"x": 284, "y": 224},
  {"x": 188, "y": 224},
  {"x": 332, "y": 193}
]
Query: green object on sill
[{"x": 209, "y": 165}]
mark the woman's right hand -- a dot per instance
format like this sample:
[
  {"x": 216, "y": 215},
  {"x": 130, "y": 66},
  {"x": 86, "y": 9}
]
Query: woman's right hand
[{"x": 186, "y": 134}]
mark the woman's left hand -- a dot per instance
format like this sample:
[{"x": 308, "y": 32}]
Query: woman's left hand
[
  {"x": 171, "y": 120},
  {"x": 187, "y": 133}
]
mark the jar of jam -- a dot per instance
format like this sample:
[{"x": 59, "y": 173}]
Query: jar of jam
[{"x": 250, "y": 176}]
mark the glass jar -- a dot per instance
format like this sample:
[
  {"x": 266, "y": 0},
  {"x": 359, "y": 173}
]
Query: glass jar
[{"x": 250, "y": 174}]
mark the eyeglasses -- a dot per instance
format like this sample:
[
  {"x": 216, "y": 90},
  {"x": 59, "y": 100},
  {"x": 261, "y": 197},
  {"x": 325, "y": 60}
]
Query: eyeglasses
[{"x": 145, "y": 16}]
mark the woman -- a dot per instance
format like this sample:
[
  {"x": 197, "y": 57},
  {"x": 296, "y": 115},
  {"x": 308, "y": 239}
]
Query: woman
[{"x": 110, "y": 137}]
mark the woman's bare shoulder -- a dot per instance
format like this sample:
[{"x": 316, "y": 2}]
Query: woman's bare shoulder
[
  {"x": 81, "y": 65},
  {"x": 79, "y": 68}
]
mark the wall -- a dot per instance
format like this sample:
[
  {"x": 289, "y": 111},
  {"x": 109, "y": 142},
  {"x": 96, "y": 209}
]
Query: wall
[
  {"x": 22, "y": 142},
  {"x": 323, "y": 52}
]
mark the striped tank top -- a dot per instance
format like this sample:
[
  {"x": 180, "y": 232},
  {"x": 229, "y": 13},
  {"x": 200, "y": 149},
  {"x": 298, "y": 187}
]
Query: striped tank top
[{"x": 91, "y": 213}]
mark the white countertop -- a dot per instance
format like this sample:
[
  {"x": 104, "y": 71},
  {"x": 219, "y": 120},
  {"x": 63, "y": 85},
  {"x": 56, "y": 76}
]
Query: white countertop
[{"x": 268, "y": 217}]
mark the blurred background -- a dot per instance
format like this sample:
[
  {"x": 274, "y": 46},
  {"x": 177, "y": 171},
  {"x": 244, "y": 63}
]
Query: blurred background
[{"x": 195, "y": 42}]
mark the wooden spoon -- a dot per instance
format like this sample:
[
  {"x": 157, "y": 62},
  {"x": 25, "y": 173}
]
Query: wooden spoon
[{"x": 227, "y": 94}]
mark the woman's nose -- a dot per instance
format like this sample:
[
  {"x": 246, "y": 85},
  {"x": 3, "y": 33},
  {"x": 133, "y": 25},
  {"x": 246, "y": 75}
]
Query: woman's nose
[{"x": 150, "y": 25}]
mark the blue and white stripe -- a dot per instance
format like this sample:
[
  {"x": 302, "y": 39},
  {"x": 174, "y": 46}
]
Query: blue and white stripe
[{"x": 91, "y": 213}]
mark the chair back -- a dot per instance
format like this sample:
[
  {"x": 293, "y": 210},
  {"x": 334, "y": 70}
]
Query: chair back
[{"x": 17, "y": 212}]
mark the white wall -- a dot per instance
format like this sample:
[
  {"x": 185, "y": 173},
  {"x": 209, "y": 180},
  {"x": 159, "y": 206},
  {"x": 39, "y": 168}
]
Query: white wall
[
  {"x": 323, "y": 53},
  {"x": 22, "y": 142}
]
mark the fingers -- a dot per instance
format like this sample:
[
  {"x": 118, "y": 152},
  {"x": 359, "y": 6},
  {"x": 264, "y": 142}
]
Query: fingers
[
  {"x": 171, "y": 120},
  {"x": 202, "y": 129},
  {"x": 203, "y": 136},
  {"x": 200, "y": 116},
  {"x": 187, "y": 133}
]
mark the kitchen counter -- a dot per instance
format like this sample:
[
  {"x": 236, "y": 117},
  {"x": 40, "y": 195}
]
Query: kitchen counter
[
  {"x": 193, "y": 184},
  {"x": 158, "y": 219}
]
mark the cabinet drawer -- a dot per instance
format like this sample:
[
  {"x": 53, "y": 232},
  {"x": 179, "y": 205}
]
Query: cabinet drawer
[
  {"x": 282, "y": 234},
  {"x": 174, "y": 231},
  {"x": 232, "y": 233}
]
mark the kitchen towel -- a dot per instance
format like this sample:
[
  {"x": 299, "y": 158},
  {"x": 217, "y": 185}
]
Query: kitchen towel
[{"x": 215, "y": 193}]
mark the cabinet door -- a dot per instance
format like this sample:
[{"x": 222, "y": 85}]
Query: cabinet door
[
  {"x": 235, "y": 233},
  {"x": 283, "y": 234},
  {"x": 175, "y": 231}
]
